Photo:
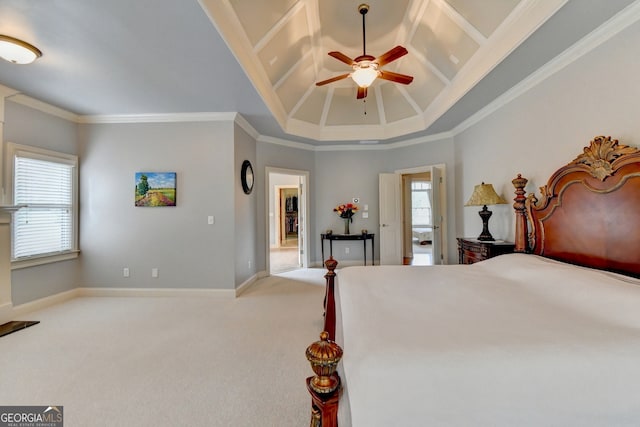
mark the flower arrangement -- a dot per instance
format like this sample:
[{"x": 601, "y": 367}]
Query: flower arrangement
[{"x": 346, "y": 211}]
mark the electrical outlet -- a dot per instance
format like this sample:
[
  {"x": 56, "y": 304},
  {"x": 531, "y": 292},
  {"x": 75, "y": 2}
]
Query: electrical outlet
[
  {"x": 211, "y": 220},
  {"x": 365, "y": 214},
  {"x": 154, "y": 273},
  {"x": 125, "y": 272},
  {"x": 346, "y": 250},
  {"x": 249, "y": 263}
]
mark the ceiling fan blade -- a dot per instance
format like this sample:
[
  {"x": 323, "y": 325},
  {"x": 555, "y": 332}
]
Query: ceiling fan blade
[
  {"x": 342, "y": 57},
  {"x": 362, "y": 92},
  {"x": 333, "y": 79},
  {"x": 391, "y": 55},
  {"x": 395, "y": 77}
]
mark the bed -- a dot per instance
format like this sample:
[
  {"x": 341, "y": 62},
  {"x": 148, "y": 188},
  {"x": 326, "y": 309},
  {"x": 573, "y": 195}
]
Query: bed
[
  {"x": 548, "y": 335},
  {"x": 423, "y": 234}
]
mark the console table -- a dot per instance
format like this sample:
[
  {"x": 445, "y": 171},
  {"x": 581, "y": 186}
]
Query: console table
[{"x": 363, "y": 236}]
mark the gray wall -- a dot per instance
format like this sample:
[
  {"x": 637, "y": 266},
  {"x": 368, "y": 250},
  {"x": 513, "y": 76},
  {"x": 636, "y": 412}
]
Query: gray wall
[
  {"x": 548, "y": 126},
  {"x": 24, "y": 125},
  {"x": 280, "y": 156},
  {"x": 245, "y": 236},
  {"x": 188, "y": 252},
  {"x": 534, "y": 134}
]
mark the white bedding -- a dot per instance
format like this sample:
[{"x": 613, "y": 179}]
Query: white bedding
[
  {"x": 423, "y": 234},
  {"x": 517, "y": 340}
]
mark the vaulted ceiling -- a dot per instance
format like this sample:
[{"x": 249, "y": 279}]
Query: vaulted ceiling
[
  {"x": 282, "y": 45},
  {"x": 146, "y": 60}
]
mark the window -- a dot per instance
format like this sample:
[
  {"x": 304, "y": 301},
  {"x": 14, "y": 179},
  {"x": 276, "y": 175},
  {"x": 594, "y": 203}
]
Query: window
[
  {"x": 420, "y": 203},
  {"x": 45, "y": 230}
]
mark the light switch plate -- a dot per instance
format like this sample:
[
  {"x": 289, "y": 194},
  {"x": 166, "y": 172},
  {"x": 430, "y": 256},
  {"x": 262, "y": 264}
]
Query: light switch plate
[{"x": 365, "y": 214}]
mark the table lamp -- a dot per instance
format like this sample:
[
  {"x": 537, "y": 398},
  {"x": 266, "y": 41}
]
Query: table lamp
[{"x": 484, "y": 195}]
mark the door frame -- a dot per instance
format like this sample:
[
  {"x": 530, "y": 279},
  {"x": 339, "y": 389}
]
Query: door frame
[
  {"x": 303, "y": 212},
  {"x": 443, "y": 204},
  {"x": 278, "y": 212}
]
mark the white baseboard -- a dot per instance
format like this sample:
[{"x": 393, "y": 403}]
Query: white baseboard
[
  {"x": 246, "y": 285},
  {"x": 156, "y": 292},
  {"x": 9, "y": 312},
  {"x": 39, "y": 304}
]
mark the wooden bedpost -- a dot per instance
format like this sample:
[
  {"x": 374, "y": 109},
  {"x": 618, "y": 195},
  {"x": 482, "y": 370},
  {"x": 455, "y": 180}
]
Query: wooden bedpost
[
  {"x": 329, "y": 299},
  {"x": 324, "y": 356},
  {"x": 522, "y": 241}
]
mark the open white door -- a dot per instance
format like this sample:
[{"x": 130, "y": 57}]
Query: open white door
[
  {"x": 436, "y": 214},
  {"x": 390, "y": 218}
]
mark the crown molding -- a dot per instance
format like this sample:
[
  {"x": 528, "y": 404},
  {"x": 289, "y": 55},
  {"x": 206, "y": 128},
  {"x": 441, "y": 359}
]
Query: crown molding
[
  {"x": 158, "y": 118},
  {"x": 617, "y": 23},
  {"x": 43, "y": 107},
  {"x": 286, "y": 143}
]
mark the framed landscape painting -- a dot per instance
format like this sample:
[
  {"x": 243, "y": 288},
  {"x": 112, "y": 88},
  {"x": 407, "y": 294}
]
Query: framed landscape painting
[{"x": 155, "y": 189}]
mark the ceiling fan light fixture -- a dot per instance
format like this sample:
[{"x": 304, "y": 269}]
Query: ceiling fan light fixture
[
  {"x": 18, "y": 51},
  {"x": 364, "y": 76}
]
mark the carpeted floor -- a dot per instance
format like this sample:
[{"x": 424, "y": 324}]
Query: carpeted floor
[{"x": 171, "y": 361}]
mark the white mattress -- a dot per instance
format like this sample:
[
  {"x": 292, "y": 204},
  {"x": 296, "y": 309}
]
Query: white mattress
[{"x": 516, "y": 340}]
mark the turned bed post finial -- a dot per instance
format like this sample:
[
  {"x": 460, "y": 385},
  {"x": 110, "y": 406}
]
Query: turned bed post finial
[
  {"x": 521, "y": 241},
  {"x": 329, "y": 299}
]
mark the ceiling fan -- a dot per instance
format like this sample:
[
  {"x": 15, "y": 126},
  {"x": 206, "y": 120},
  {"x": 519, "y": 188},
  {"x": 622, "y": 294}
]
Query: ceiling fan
[{"x": 366, "y": 68}]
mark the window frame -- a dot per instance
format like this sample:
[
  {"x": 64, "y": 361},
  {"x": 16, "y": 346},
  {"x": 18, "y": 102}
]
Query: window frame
[
  {"x": 427, "y": 188},
  {"x": 14, "y": 150}
]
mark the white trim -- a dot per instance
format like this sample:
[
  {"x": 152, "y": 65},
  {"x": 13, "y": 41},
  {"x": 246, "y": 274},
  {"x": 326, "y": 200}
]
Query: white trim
[
  {"x": 246, "y": 285},
  {"x": 13, "y": 150},
  {"x": 306, "y": 221},
  {"x": 42, "y": 303},
  {"x": 158, "y": 118},
  {"x": 43, "y": 259},
  {"x": 156, "y": 292},
  {"x": 603, "y": 33},
  {"x": 244, "y": 124},
  {"x": 44, "y": 107}
]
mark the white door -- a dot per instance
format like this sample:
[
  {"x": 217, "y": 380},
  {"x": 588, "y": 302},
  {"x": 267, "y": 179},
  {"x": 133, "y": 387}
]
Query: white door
[
  {"x": 390, "y": 218},
  {"x": 436, "y": 214}
]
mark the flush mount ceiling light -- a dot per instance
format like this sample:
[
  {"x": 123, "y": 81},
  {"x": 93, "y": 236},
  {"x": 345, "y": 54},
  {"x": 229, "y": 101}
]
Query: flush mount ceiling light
[{"x": 17, "y": 51}]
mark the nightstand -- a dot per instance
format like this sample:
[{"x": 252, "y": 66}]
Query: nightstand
[{"x": 474, "y": 250}]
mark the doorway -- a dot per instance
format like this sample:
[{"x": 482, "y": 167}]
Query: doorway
[
  {"x": 413, "y": 216},
  {"x": 287, "y": 237},
  {"x": 417, "y": 219}
]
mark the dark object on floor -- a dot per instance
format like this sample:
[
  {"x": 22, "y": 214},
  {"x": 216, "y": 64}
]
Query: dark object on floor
[
  {"x": 15, "y": 326},
  {"x": 425, "y": 242}
]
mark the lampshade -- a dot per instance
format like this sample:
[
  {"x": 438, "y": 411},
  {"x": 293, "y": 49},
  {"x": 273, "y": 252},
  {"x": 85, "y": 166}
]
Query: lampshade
[
  {"x": 365, "y": 74},
  {"x": 483, "y": 195},
  {"x": 17, "y": 51}
]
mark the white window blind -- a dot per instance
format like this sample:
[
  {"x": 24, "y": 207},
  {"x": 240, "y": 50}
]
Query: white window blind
[{"x": 46, "y": 186}]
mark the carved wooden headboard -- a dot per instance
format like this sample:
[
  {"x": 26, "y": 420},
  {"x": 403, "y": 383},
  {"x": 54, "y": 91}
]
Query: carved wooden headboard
[{"x": 589, "y": 211}]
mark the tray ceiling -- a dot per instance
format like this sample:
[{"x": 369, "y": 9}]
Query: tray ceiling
[{"x": 283, "y": 44}]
